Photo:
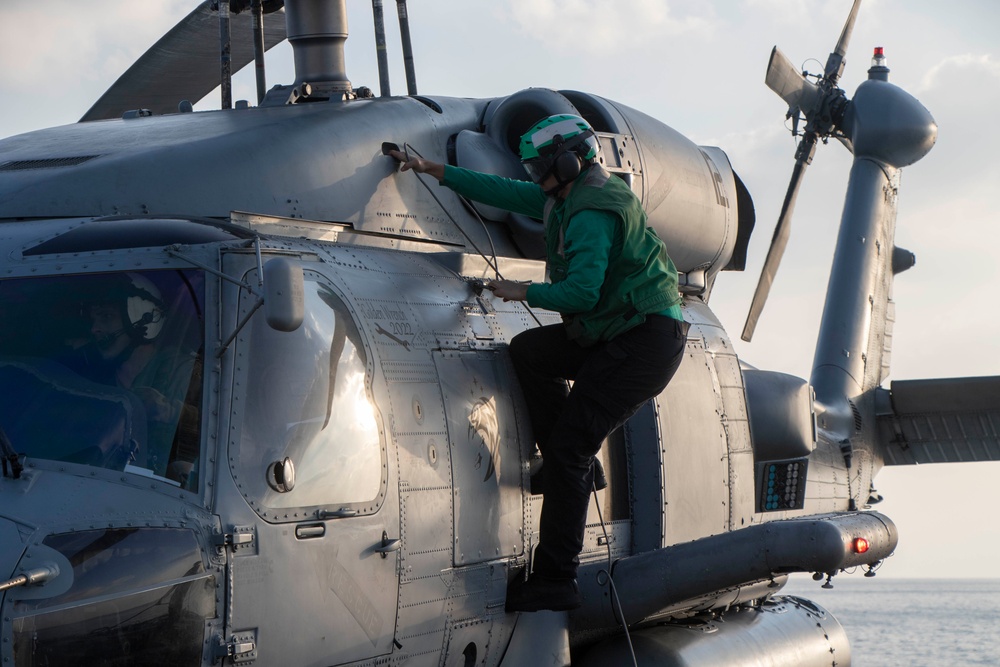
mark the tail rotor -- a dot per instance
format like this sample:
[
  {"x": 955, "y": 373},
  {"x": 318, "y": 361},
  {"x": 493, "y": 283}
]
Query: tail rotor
[{"x": 822, "y": 105}]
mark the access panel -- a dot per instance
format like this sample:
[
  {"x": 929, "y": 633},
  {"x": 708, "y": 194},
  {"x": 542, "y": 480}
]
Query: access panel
[{"x": 484, "y": 442}]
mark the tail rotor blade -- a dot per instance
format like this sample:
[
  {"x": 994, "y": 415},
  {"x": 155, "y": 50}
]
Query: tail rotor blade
[
  {"x": 183, "y": 64},
  {"x": 780, "y": 239},
  {"x": 835, "y": 63},
  {"x": 787, "y": 81},
  {"x": 823, "y": 106},
  {"x": 845, "y": 35}
]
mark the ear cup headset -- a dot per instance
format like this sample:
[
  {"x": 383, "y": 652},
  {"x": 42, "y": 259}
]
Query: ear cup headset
[
  {"x": 568, "y": 159},
  {"x": 143, "y": 309},
  {"x": 139, "y": 304}
]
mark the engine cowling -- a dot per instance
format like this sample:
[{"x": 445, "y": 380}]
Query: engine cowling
[{"x": 694, "y": 200}]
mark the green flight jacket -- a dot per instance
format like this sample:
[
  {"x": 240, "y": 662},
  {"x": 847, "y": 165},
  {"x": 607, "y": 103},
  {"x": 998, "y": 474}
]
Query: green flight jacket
[{"x": 608, "y": 234}]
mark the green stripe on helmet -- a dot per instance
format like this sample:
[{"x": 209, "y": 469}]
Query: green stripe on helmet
[{"x": 535, "y": 141}]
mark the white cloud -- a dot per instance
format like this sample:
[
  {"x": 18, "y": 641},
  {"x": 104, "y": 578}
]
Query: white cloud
[
  {"x": 965, "y": 69},
  {"x": 48, "y": 47},
  {"x": 62, "y": 56},
  {"x": 963, "y": 93},
  {"x": 605, "y": 25},
  {"x": 805, "y": 12}
]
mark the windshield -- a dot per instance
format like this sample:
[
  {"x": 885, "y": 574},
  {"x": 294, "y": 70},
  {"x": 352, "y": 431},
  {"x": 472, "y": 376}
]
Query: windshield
[{"x": 105, "y": 370}]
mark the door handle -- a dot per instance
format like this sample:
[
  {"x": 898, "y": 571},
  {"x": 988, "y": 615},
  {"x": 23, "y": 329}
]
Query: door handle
[{"x": 388, "y": 546}]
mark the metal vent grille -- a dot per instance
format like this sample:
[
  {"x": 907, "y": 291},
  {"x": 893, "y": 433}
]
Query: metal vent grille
[
  {"x": 858, "y": 422},
  {"x": 46, "y": 163}
]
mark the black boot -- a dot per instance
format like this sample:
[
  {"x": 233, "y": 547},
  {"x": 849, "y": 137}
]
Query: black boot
[{"x": 542, "y": 593}]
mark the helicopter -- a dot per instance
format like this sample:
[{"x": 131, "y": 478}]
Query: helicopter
[{"x": 333, "y": 502}]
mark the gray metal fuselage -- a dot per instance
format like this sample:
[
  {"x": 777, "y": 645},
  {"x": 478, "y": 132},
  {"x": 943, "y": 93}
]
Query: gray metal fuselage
[{"x": 415, "y": 563}]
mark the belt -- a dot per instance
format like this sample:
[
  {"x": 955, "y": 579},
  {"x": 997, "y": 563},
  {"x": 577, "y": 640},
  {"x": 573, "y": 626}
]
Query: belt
[{"x": 680, "y": 327}]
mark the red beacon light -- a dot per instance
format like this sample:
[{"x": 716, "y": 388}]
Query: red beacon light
[
  {"x": 879, "y": 71},
  {"x": 878, "y": 58},
  {"x": 859, "y": 545}
]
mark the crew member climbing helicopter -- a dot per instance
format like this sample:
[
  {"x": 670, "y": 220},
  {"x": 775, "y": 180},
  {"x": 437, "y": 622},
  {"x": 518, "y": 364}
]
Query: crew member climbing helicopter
[{"x": 621, "y": 339}]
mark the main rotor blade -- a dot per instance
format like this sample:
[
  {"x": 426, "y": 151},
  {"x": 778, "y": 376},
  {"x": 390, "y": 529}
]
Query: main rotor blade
[
  {"x": 184, "y": 63},
  {"x": 780, "y": 239},
  {"x": 835, "y": 63},
  {"x": 787, "y": 81}
]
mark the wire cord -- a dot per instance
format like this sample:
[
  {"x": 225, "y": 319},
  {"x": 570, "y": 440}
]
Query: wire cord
[
  {"x": 495, "y": 265},
  {"x": 616, "y": 604}
]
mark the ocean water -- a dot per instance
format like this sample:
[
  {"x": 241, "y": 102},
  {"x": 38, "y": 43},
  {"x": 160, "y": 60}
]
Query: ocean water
[{"x": 912, "y": 622}]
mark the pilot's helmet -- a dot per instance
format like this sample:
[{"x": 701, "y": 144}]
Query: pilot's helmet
[
  {"x": 138, "y": 302},
  {"x": 544, "y": 146}
]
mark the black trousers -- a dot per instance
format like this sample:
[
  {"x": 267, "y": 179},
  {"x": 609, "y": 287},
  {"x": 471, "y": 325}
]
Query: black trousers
[{"x": 611, "y": 381}]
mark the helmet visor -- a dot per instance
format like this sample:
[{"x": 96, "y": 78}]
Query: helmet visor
[{"x": 538, "y": 168}]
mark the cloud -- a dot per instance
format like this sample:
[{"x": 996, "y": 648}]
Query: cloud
[
  {"x": 106, "y": 35},
  {"x": 606, "y": 24},
  {"x": 64, "y": 57},
  {"x": 969, "y": 68},
  {"x": 800, "y": 12},
  {"x": 971, "y": 74},
  {"x": 962, "y": 93}
]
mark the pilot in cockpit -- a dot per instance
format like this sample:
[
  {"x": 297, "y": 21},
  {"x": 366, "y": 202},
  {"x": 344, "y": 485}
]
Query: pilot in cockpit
[{"x": 123, "y": 349}]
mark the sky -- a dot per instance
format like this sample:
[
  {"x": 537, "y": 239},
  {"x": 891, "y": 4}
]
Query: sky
[{"x": 697, "y": 65}]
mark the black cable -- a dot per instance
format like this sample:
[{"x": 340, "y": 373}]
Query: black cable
[
  {"x": 616, "y": 604},
  {"x": 493, "y": 265}
]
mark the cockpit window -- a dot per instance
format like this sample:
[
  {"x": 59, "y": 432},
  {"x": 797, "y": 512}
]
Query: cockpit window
[
  {"x": 308, "y": 403},
  {"x": 139, "y": 596},
  {"x": 105, "y": 370}
]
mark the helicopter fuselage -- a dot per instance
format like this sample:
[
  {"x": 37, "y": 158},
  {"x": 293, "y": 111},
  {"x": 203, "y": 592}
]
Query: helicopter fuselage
[{"x": 359, "y": 486}]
